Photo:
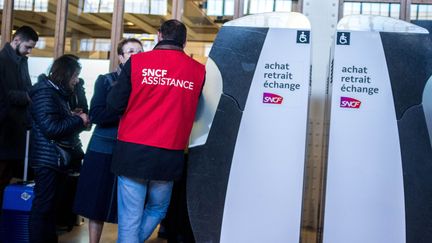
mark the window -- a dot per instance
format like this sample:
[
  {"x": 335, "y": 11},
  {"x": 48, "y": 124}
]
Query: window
[
  {"x": 153, "y": 7},
  {"x": 86, "y": 45},
  {"x": 137, "y": 6},
  {"x": 261, "y": 6},
  {"x": 220, "y": 7},
  {"x": 41, "y": 16},
  {"x": 95, "y": 45},
  {"x": 23, "y": 5},
  {"x": 41, "y": 6},
  {"x": 30, "y": 5},
  {"x": 421, "y": 11},
  {"x": 98, "y": 6},
  {"x": 351, "y": 8},
  {"x": 102, "y": 45},
  {"x": 143, "y": 18},
  {"x": 382, "y": 9},
  {"x": 106, "y": 6},
  {"x": 158, "y": 7},
  {"x": 91, "y": 6},
  {"x": 89, "y": 28}
]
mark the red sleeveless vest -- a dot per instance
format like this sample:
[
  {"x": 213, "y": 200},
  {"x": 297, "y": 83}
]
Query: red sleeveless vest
[{"x": 166, "y": 85}]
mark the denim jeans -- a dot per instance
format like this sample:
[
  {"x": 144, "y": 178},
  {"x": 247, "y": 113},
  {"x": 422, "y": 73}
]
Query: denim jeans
[{"x": 138, "y": 216}]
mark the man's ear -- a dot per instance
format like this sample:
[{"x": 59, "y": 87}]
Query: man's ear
[
  {"x": 159, "y": 36},
  {"x": 15, "y": 41},
  {"x": 121, "y": 58}
]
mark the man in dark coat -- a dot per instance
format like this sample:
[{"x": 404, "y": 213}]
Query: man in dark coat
[{"x": 14, "y": 101}]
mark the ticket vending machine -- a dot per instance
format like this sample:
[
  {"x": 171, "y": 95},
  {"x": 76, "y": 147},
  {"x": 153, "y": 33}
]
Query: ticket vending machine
[
  {"x": 247, "y": 152},
  {"x": 379, "y": 183}
]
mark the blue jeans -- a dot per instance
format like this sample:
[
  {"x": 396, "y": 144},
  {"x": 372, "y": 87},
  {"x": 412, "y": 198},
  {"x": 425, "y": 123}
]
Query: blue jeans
[{"x": 138, "y": 216}]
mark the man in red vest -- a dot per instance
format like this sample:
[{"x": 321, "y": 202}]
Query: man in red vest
[{"x": 157, "y": 94}]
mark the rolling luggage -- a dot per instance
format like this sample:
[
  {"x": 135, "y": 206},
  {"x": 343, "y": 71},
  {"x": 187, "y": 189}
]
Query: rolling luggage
[{"x": 17, "y": 202}]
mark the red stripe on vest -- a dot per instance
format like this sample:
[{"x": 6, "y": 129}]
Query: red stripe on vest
[{"x": 166, "y": 85}]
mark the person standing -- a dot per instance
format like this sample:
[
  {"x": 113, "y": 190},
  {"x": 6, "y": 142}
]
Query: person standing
[
  {"x": 53, "y": 123},
  {"x": 14, "y": 102},
  {"x": 96, "y": 197},
  {"x": 157, "y": 95}
]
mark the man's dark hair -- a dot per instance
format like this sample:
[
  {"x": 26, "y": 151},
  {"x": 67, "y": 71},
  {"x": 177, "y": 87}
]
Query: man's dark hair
[
  {"x": 75, "y": 57},
  {"x": 26, "y": 33},
  {"x": 124, "y": 42},
  {"x": 63, "y": 69},
  {"x": 173, "y": 30}
]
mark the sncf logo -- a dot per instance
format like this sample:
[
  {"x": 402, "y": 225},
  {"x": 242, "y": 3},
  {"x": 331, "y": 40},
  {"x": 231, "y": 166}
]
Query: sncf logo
[
  {"x": 347, "y": 102},
  {"x": 269, "y": 98}
]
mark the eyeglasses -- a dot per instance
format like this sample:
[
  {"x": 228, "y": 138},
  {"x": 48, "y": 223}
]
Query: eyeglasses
[{"x": 132, "y": 51}]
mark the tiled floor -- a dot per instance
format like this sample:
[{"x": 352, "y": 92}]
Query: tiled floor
[{"x": 109, "y": 235}]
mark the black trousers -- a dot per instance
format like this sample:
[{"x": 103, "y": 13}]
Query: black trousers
[{"x": 43, "y": 213}]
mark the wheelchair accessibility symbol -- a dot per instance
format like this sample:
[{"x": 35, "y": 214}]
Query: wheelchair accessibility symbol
[
  {"x": 343, "y": 38},
  {"x": 303, "y": 36}
]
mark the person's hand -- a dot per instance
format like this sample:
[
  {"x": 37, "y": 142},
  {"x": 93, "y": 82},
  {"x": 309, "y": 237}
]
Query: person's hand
[
  {"x": 77, "y": 111},
  {"x": 85, "y": 118}
]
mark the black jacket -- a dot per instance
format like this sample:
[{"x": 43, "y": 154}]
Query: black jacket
[
  {"x": 78, "y": 98},
  {"x": 14, "y": 102},
  {"x": 52, "y": 121}
]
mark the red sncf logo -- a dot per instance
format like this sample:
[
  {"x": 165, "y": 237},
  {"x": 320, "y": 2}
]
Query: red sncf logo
[
  {"x": 269, "y": 98},
  {"x": 347, "y": 102}
]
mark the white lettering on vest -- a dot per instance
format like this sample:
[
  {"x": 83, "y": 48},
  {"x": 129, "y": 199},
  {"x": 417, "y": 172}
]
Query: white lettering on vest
[
  {"x": 154, "y": 72},
  {"x": 158, "y": 77}
]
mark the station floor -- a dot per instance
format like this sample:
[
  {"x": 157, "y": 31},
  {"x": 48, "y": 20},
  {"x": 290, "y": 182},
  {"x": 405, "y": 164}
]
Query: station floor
[{"x": 79, "y": 234}]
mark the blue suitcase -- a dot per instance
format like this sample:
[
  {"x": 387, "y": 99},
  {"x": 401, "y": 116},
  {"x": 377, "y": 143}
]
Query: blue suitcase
[{"x": 17, "y": 203}]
